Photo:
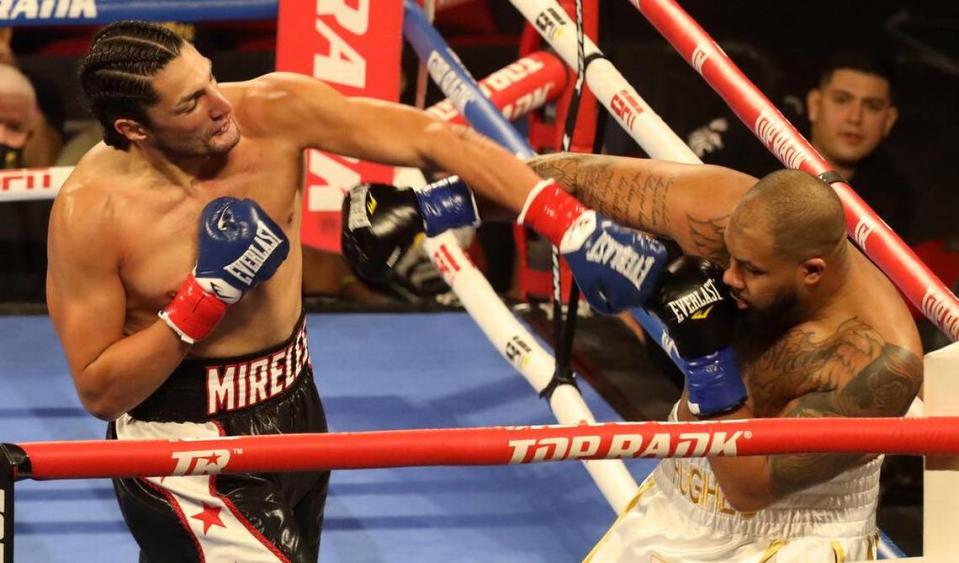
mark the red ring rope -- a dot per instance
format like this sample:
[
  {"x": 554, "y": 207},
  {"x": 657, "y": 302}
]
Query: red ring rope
[
  {"x": 883, "y": 246},
  {"x": 490, "y": 446}
]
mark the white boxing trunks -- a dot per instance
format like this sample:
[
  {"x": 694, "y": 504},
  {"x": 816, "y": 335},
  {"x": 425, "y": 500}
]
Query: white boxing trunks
[{"x": 679, "y": 514}]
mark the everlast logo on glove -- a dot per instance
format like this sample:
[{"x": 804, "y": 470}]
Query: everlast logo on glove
[
  {"x": 623, "y": 259},
  {"x": 250, "y": 262},
  {"x": 357, "y": 217},
  {"x": 694, "y": 303}
]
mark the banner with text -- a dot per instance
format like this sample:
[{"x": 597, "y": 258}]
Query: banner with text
[{"x": 342, "y": 44}]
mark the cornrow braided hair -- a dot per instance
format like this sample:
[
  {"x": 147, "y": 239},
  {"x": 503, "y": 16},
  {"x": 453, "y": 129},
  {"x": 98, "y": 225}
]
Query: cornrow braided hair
[{"x": 116, "y": 74}]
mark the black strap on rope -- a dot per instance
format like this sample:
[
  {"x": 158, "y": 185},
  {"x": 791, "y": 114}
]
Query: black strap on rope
[
  {"x": 563, "y": 332},
  {"x": 831, "y": 176}
]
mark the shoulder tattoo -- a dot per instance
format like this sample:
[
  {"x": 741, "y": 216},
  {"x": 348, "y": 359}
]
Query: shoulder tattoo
[{"x": 881, "y": 380}]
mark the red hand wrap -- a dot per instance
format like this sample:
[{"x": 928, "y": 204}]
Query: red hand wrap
[
  {"x": 550, "y": 211},
  {"x": 193, "y": 313}
]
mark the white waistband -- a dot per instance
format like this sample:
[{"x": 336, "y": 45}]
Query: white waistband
[{"x": 842, "y": 507}]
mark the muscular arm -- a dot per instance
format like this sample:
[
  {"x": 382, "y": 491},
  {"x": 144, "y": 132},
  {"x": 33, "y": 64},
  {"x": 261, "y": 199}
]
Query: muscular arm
[
  {"x": 315, "y": 115},
  {"x": 112, "y": 372},
  {"x": 688, "y": 203},
  {"x": 881, "y": 380}
]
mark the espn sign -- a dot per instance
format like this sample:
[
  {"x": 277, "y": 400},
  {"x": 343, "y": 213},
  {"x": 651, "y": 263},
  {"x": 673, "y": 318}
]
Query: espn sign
[
  {"x": 625, "y": 107},
  {"x": 32, "y": 183},
  {"x": 446, "y": 263},
  {"x": 354, "y": 46},
  {"x": 25, "y": 179}
]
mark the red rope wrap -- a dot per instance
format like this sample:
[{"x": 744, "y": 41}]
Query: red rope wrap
[{"x": 491, "y": 446}]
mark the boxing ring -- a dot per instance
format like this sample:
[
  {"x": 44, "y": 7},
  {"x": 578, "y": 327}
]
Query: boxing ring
[{"x": 616, "y": 480}]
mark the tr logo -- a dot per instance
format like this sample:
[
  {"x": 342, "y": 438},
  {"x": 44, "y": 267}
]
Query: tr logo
[{"x": 200, "y": 462}]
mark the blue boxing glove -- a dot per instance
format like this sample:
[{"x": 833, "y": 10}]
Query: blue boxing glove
[
  {"x": 239, "y": 248},
  {"x": 616, "y": 268},
  {"x": 696, "y": 308},
  {"x": 381, "y": 222}
]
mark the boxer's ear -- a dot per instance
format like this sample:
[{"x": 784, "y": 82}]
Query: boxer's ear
[
  {"x": 811, "y": 270},
  {"x": 130, "y": 129},
  {"x": 813, "y": 99}
]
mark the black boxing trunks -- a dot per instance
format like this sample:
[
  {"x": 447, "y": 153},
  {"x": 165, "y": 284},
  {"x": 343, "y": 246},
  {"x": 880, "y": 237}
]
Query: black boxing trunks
[{"x": 251, "y": 517}]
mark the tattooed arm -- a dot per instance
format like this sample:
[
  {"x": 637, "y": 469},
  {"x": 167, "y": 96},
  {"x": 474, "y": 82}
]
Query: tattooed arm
[
  {"x": 855, "y": 374},
  {"x": 688, "y": 203},
  {"x": 886, "y": 387}
]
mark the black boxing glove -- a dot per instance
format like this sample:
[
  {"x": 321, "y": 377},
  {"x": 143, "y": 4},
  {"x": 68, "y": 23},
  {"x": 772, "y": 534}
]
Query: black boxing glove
[
  {"x": 696, "y": 308},
  {"x": 381, "y": 222}
]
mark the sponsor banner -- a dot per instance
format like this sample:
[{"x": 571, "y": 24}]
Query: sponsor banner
[
  {"x": 87, "y": 12},
  {"x": 342, "y": 44}
]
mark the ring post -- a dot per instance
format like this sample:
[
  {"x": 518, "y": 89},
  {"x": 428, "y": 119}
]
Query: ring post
[
  {"x": 15, "y": 466},
  {"x": 6, "y": 500},
  {"x": 941, "y": 475}
]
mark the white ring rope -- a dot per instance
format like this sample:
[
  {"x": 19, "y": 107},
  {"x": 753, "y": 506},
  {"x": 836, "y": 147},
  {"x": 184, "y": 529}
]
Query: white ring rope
[{"x": 606, "y": 83}]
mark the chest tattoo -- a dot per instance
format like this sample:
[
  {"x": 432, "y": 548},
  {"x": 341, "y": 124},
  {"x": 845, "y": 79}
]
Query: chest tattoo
[{"x": 800, "y": 363}]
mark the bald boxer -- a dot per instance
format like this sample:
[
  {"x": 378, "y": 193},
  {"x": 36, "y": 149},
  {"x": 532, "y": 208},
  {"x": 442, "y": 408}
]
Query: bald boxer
[
  {"x": 175, "y": 268},
  {"x": 820, "y": 332},
  {"x": 775, "y": 313}
]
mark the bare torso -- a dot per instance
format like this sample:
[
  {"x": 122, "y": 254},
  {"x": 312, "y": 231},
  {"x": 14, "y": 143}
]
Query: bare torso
[
  {"x": 825, "y": 354},
  {"x": 154, "y": 224},
  {"x": 865, "y": 334}
]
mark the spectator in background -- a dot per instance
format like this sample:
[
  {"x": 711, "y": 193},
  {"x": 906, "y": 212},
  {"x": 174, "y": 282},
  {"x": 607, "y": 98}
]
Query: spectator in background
[
  {"x": 17, "y": 115},
  {"x": 30, "y": 136},
  {"x": 31, "y": 116},
  {"x": 22, "y": 223},
  {"x": 851, "y": 110}
]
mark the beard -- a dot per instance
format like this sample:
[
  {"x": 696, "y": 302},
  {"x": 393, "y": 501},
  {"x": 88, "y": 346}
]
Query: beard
[
  {"x": 182, "y": 146},
  {"x": 768, "y": 323}
]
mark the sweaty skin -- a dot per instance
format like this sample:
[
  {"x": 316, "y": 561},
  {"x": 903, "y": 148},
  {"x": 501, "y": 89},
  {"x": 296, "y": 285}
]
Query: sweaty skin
[
  {"x": 123, "y": 231},
  {"x": 855, "y": 352}
]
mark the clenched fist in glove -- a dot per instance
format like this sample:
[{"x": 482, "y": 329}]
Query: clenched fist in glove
[
  {"x": 240, "y": 247},
  {"x": 699, "y": 313},
  {"x": 616, "y": 268},
  {"x": 381, "y": 222}
]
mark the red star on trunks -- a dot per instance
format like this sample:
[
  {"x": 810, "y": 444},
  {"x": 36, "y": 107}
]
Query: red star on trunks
[{"x": 210, "y": 517}]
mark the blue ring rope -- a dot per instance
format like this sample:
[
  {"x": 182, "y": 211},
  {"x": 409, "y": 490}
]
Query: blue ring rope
[{"x": 97, "y": 12}]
